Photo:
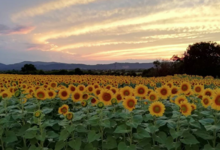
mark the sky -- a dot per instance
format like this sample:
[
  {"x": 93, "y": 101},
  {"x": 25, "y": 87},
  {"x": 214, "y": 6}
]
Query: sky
[{"x": 104, "y": 31}]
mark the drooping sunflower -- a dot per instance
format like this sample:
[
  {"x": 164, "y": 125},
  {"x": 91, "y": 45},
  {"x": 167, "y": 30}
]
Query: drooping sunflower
[
  {"x": 153, "y": 96},
  {"x": 64, "y": 94},
  {"x": 41, "y": 94},
  {"x": 64, "y": 109},
  {"x": 180, "y": 99},
  {"x": 126, "y": 91},
  {"x": 77, "y": 96},
  {"x": 185, "y": 108},
  {"x": 185, "y": 87},
  {"x": 164, "y": 92},
  {"x": 216, "y": 102},
  {"x": 206, "y": 101},
  {"x": 208, "y": 92},
  {"x": 129, "y": 103},
  {"x": 198, "y": 89},
  {"x": 106, "y": 96},
  {"x": 51, "y": 94},
  {"x": 71, "y": 88},
  {"x": 140, "y": 90},
  {"x": 157, "y": 109}
]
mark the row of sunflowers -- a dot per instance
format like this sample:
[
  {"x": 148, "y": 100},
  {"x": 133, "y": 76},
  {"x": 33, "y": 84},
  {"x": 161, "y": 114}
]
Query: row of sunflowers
[{"x": 109, "y": 112}]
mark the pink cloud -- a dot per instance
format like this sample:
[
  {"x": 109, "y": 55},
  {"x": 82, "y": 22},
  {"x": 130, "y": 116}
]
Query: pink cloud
[{"x": 5, "y": 30}]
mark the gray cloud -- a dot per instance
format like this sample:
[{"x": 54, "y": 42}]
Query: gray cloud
[{"x": 19, "y": 29}]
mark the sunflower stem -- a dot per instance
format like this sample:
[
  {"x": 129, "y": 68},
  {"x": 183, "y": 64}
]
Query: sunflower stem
[
  {"x": 2, "y": 144},
  {"x": 177, "y": 130},
  {"x": 131, "y": 136},
  {"x": 214, "y": 140},
  {"x": 41, "y": 132},
  {"x": 23, "y": 122}
]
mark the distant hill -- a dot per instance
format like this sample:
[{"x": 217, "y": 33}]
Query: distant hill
[{"x": 58, "y": 66}]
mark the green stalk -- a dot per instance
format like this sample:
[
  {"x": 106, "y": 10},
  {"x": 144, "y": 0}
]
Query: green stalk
[
  {"x": 214, "y": 140},
  {"x": 2, "y": 144},
  {"x": 131, "y": 135},
  {"x": 177, "y": 130},
  {"x": 41, "y": 132}
]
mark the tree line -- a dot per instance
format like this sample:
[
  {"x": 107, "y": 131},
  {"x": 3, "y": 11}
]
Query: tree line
[{"x": 201, "y": 58}]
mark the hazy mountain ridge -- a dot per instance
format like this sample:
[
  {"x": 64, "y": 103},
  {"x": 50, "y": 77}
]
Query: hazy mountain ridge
[{"x": 59, "y": 66}]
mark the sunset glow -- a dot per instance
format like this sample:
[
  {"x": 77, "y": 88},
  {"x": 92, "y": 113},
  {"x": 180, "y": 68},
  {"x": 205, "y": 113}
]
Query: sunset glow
[{"x": 104, "y": 31}]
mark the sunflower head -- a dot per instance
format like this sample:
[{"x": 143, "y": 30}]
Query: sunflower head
[
  {"x": 64, "y": 109},
  {"x": 84, "y": 103},
  {"x": 216, "y": 102},
  {"x": 185, "y": 87},
  {"x": 17, "y": 93},
  {"x": 164, "y": 92},
  {"x": 157, "y": 109},
  {"x": 94, "y": 101},
  {"x": 106, "y": 96},
  {"x": 100, "y": 104},
  {"x": 41, "y": 94},
  {"x": 206, "y": 101},
  {"x": 180, "y": 99},
  {"x": 129, "y": 103},
  {"x": 37, "y": 114},
  {"x": 64, "y": 94},
  {"x": 141, "y": 90},
  {"x": 69, "y": 116},
  {"x": 153, "y": 96},
  {"x": 185, "y": 108},
  {"x": 114, "y": 101}
]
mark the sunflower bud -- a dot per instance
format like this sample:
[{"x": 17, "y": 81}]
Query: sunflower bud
[
  {"x": 69, "y": 116},
  {"x": 100, "y": 105},
  {"x": 0, "y": 98},
  {"x": 17, "y": 93},
  {"x": 37, "y": 114},
  {"x": 114, "y": 101}
]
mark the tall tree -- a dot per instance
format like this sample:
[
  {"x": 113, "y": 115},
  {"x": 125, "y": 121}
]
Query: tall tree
[{"x": 28, "y": 68}]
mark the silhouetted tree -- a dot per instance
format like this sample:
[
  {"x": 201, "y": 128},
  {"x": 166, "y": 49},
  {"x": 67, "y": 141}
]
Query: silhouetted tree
[
  {"x": 201, "y": 59},
  {"x": 28, "y": 68},
  {"x": 78, "y": 71}
]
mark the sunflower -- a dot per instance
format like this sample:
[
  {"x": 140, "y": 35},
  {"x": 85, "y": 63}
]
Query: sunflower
[
  {"x": 193, "y": 106},
  {"x": 64, "y": 94},
  {"x": 185, "y": 87},
  {"x": 164, "y": 92},
  {"x": 81, "y": 87},
  {"x": 64, "y": 109},
  {"x": 100, "y": 104},
  {"x": 89, "y": 89},
  {"x": 198, "y": 89},
  {"x": 157, "y": 109},
  {"x": 37, "y": 113},
  {"x": 69, "y": 115},
  {"x": 51, "y": 94},
  {"x": 206, "y": 101},
  {"x": 41, "y": 94},
  {"x": 129, "y": 103},
  {"x": 97, "y": 91},
  {"x": 84, "y": 103},
  {"x": 174, "y": 90},
  {"x": 106, "y": 96},
  {"x": 216, "y": 102},
  {"x": 119, "y": 97},
  {"x": 71, "y": 88},
  {"x": 153, "y": 96},
  {"x": 114, "y": 101},
  {"x": 180, "y": 99},
  {"x": 53, "y": 84},
  {"x": 94, "y": 101},
  {"x": 6, "y": 94},
  {"x": 77, "y": 96},
  {"x": 114, "y": 90},
  {"x": 140, "y": 90},
  {"x": 126, "y": 91},
  {"x": 185, "y": 108},
  {"x": 208, "y": 92}
]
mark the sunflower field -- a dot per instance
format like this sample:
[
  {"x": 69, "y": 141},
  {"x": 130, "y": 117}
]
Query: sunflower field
[{"x": 48, "y": 112}]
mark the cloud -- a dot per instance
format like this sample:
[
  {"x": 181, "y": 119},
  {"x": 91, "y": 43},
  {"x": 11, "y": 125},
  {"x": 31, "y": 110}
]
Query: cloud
[
  {"x": 47, "y": 7},
  {"x": 5, "y": 30}
]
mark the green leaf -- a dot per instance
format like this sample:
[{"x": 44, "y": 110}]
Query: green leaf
[
  {"x": 89, "y": 147},
  {"x": 63, "y": 135},
  {"x": 123, "y": 146},
  {"x": 30, "y": 134},
  {"x": 47, "y": 110},
  {"x": 152, "y": 128},
  {"x": 206, "y": 121},
  {"x": 189, "y": 139},
  {"x": 203, "y": 134},
  {"x": 33, "y": 147},
  {"x": 59, "y": 145},
  {"x": 106, "y": 123},
  {"x": 52, "y": 135},
  {"x": 141, "y": 133},
  {"x": 110, "y": 143},
  {"x": 92, "y": 136},
  {"x": 75, "y": 144},
  {"x": 121, "y": 129},
  {"x": 175, "y": 134},
  {"x": 192, "y": 147},
  {"x": 10, "y": 137}
]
